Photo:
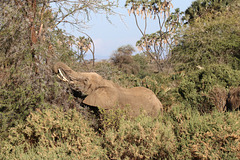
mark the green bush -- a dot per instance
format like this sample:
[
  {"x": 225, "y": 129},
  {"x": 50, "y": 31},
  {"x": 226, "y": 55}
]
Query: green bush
[
  {"x": 196, "y": 85},
  {"x": 22, "y": 95},
  {"x": 180, "y": 133},
  {"x": 52, "y": 134},
  {"x": 15, "y": 105},
  {"x": 110, "y": 119},
  {"x": 141, "y": 138},
  {"x": 213, "y": 39},
  {"x": 143, "y": 62},
  {"x": 208, "y": 136},
  {"x": 123, "y": 58}
]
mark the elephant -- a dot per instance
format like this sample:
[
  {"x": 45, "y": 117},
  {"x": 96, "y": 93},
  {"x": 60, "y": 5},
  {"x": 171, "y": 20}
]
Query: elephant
[
  {"x": 233, "y": 100},
  {"x": 105, "y": 94}
]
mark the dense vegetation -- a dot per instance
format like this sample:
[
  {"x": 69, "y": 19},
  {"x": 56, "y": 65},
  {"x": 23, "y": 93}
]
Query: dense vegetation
[{"x": 41, "y": 118}]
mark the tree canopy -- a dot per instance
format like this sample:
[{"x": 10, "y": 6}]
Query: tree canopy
[
  {"x": 212, "y": 39},
  {"x": 202, "y": 8}
]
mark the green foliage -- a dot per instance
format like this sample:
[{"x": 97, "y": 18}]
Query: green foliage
[
  {"x": 142, "y": 61},
  {"x": 134, "y": 81},
  {"x": 122, "y": 58},
  {"x": 195, "y": 86},
  {"x": 208, "y": 136},
  {"x": 110, "y": 119},
  {"x": 53, "y": 134},
  {"x": 142, "y": 138},
  {"x": 16, "y": 105},
  {"x": 138, "y": 64},
  {"x": 211, "y": 40},
  {"x": 156, "y": 45},
  {"x": 106, "y": 69},
  {"x": 33, "y": 126},
  {"x": 181, "y": 133},
  {"x": 19, "y": 98},
  {"x": 201, "y": 8}
]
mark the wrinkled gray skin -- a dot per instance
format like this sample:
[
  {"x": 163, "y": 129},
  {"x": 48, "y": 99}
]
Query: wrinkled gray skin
[{"x": 107, "y": 95}]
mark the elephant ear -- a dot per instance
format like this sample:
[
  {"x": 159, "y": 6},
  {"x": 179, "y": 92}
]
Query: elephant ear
[{"x": 105, "y": 98}]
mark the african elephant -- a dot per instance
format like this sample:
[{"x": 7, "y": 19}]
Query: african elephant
[
  {"x": 233, "y": 100},
  {"x": 105, "y": 94}
]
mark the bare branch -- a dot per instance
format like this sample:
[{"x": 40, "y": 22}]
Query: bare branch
[
  {"x": 143, "y": 33},
  {"x": 91, "y": 50}
]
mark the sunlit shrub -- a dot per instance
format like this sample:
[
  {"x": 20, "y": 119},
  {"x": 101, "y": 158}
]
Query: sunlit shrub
[
  {"x": 208, "y": 40},
  {"x": 208, "y": 136},
  {"x": 123, "y": 58},
  {"x": 180, "y": 133},
  {"x": 53, "y": 133},
  {"x": 196, "y": 85},
  {"x": 141, "y": 138},
  {"x": 110, "y": 119}
]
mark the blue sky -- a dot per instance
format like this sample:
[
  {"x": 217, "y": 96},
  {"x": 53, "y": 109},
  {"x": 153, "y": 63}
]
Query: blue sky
[{"x": 109, "y": 37}]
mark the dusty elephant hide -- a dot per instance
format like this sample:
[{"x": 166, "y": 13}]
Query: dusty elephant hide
[{"x": 105, "y": 94}]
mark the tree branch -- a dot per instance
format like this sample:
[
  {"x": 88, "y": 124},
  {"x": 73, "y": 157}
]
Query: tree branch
[{"x": 135, "y": 16}]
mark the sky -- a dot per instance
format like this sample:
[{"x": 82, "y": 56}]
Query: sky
[{"x": 108, "y": 37}]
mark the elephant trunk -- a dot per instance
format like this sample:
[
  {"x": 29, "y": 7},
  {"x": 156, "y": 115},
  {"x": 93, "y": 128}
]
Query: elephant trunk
[
  {"x": 64, "y": 72},
  {"x": 60, "y": 65}
]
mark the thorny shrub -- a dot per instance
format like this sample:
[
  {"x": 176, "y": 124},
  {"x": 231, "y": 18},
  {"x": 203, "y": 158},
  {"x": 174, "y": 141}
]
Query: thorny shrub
[
  {"x": 195, "y": 87},
  {"x": 181, "y": 133},
  {"x": 53, "y": 133},
  {"x": 141, "y": 138},
  {"x": 208, "y": 136}
]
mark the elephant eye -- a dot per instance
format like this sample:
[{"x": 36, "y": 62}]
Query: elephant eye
[{"x": 86, "y": 80}]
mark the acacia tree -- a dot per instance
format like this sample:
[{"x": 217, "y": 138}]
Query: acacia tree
[
  {"x": 123, "y": 58},
  {"x": 123, "y": 55},
  {"x": 157, "y": 45}
]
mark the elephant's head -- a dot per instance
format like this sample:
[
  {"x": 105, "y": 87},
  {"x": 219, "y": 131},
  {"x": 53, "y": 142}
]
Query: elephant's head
[{"x": 78, "y": 82}]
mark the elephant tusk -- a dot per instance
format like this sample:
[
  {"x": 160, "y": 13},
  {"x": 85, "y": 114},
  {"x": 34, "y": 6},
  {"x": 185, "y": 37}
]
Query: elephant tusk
[
  {"x": 63, "y": 78},
  {"x": 59, "y": 77}
]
